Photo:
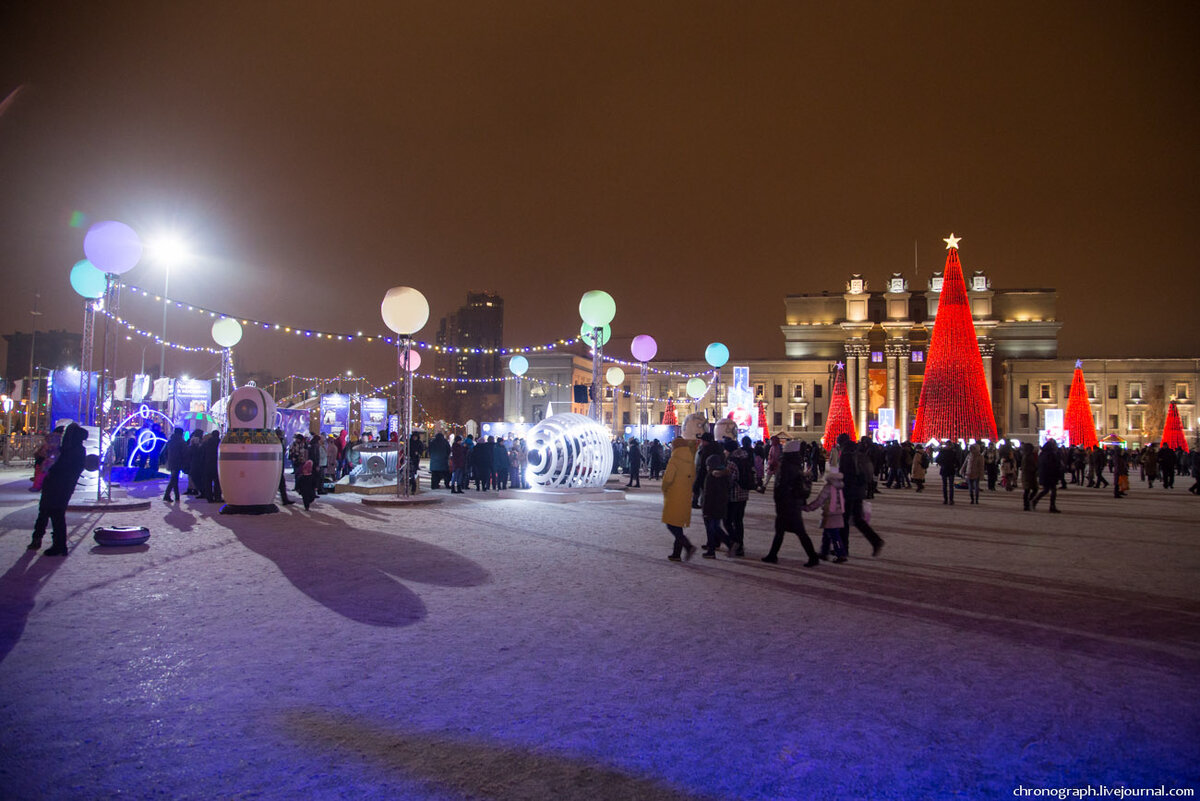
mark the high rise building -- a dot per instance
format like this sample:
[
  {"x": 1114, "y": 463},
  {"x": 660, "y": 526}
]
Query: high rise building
[{"x": 464, "y": 339}]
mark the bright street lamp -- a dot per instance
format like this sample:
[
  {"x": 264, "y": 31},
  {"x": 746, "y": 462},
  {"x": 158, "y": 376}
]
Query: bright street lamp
[{"x": 167, "y": 249}]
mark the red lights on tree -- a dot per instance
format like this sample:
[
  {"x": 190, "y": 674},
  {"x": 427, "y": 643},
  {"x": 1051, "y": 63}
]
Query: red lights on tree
[
  {"x": 762, "y": 421},
  {"x": 1173, "y": 431},
  {"x": 669, "y": 418},
  {"x": 955, "y": 403},
  {"x": 1081, "y": 426},
  {"x": 841, "y": 421}
]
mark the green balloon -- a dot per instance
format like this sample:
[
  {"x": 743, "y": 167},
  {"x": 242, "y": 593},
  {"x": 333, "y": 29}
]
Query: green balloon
[{"x": 597, "y": 308}]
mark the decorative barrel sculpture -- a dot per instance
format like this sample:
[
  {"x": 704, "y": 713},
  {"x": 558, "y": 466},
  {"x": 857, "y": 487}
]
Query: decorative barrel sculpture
[
  {"x": 569, "y": 450},
  {"x": 250, "y": 460}
]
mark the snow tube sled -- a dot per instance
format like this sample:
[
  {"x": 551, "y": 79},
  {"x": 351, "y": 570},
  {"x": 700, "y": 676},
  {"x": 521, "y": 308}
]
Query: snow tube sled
[{"x": 121, "y": 535}]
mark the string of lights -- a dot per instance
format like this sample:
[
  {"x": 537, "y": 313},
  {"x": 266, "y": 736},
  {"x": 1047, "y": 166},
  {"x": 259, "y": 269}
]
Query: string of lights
[
  {"x": 638, "y": 366},
  {"x": 156, "y": 337},
  {"x": 345, "y": 336}
]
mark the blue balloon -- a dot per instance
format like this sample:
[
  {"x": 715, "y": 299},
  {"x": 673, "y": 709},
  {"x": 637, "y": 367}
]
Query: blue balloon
[
  {"x": 518, "y": 365},
  {"x": 716, "y": 355},
  {"x": 112, "y": 246},
  {"x": 87, "y": 280}
]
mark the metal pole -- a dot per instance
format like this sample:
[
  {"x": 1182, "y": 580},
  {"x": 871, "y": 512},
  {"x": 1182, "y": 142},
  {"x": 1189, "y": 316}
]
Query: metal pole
[
  {"x": 408, "y": 424},
  {"x": 162, "y": 359},
  {"x": 595, "y": 401},
  {"x": 644, "y": 402},
  {"x": 401, "y": 483}
]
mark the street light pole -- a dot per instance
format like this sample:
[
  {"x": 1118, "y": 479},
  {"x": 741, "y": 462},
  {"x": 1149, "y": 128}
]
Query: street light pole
[{"x": 162, "y": 359}]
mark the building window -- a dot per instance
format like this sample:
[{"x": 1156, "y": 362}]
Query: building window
[
  {"x": 1135, "y": 392},
  {"x": 797, "y": 392},
  {"x": 1114, "y": 422},
  {"x": 1091, "y": 391},
  {"x": 1185, "y": 421},
  {"x": 1181, "y": 392},
  {"x": 1135, "y": 421},
  {"x": 779, "y": 390},
  {"x": 1023, "y": 422},
  {"x": 797, "y": 419},
  {"x": 1023, "y": 392},
  {"x": 816, "y": 419},
  {"x": 624, "y": 418},
  {"x": 760, "y": 391},
  {"x": 918, "y": 356},
  {"x": 818, "y": 390},
  {"x": 1046, "y": 391},
  {"x": 777, "y": 419},
  {"x": 877, "y": 357},
  {"x": 1112, "y": 393}
]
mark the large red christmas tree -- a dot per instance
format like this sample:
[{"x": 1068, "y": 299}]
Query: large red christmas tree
[
  {"x": 1081, "y": 426},
  {"x": 1173, "y": 431},
  {"x": 841, "y": 421},
  {"x": 954, "y": 397}
]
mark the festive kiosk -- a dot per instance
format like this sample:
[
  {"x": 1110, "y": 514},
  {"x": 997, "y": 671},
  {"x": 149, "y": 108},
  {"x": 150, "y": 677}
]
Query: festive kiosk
[{"x": 250, "y": 459}]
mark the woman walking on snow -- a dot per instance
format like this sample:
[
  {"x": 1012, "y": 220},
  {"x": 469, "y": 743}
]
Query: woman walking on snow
[{"x": 677, "y": 495}]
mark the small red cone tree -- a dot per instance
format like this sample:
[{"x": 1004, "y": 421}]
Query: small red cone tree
[
  {"x": 841, "y": 421},
  {"x": 668, "y": 418},
  {"x": 762, "y": 421},
  {"x": 1173, "y": 431}
]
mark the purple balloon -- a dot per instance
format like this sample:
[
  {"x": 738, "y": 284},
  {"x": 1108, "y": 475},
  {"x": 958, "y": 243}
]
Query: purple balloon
[
  {"x": 113, "y": 247},
  {"x": 643, "y": 347}
]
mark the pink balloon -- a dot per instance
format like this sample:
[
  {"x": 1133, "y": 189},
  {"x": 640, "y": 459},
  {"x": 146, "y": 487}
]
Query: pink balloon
[
  {"x": 412, "y": 359},
  {"x": 643, "y": 347}
]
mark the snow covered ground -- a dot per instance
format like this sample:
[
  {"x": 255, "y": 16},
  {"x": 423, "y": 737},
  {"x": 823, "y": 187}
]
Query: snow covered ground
[{"x": 506, "y": 649}]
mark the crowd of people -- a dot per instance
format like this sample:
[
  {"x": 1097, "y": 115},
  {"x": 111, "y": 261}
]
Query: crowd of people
[{"x": 714, "y": 477}]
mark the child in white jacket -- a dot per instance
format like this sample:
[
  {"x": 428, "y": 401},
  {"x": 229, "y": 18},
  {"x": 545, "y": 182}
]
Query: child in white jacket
[{"x": 832, "y": 503}]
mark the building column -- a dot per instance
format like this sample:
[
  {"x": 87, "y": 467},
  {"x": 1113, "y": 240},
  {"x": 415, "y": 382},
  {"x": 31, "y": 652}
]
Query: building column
[
  {"x": 851, "y": 371},
  {"x": 902, "y": 380},
  {"x": 864, "y": 388},
  {"x": 987, "y": 350}
]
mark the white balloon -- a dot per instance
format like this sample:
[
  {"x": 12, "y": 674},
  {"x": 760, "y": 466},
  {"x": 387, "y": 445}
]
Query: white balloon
[
  {"x": 227, "y": 332},
  {"x": 404, "y": 310}
]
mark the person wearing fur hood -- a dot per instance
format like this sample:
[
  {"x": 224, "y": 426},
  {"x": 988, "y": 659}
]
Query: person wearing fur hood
[
  {"x": 832, "y": 503},
  {"x": 677, "y": 482}
]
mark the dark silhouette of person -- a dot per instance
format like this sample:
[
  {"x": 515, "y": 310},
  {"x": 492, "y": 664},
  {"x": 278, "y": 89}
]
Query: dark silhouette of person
[{"x": 57, "y": 489}]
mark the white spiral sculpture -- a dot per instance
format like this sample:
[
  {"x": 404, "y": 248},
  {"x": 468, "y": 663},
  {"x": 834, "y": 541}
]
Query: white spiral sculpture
[{"x": 569, "y": 450}]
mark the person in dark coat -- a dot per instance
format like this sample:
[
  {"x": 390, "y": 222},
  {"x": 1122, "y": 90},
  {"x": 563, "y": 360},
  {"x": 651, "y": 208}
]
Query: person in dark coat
[
  {"x": 715, "y": 506},
  {"x": 176, "y": 453},
  {"x": 196, "y": 464},
  {"x": 57, "y": 488},
  {"x": 792, "y": 488},
  {"x": 458, "y": 466},
  {"x": 657, "y": 460},
  {"x": 306, "y": 484},
  {"x": 635, "y": 464},
  {"x": 500, "y": 465},
  {"x": 949, "y": 461},
  {"x": 481, "y": 464},
  {"x": 708, "y": 448},
  {"x": 211, "y": 489},
  {"x": 855, "y": 492},
  {"x": 1049, "y": 474},
  {"x": 439, "y": 461},
  {"x": 283, "y": 446}
]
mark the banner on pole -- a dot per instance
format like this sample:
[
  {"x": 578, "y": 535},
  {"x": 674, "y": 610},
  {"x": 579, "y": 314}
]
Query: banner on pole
[
  {"x": 335, "y": 413},
  {"x": 373, "y": 416}
]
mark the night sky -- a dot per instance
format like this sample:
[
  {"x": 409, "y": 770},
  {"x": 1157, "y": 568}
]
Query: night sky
[{"x": 698, "y": 160}]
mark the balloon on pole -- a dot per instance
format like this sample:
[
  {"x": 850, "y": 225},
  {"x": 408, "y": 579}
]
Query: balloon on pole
[
  {"x": 87, "y": 281},
  {"x": 696, "y": 388},
  {"x": 615, "y": 376},
  {"x": 597, "y": 308},
  {"x": 404, "y": 310},
  {"x": 518, "y": 365},
  {"x": 643, "y": 348},
  {"x": 588, "y": 334},
  {"x": 227, "y": 332},
  {"x": 716, "y": 354},
  {"x": 411, "y": 359},
  {"x": 113, "y": 247}
]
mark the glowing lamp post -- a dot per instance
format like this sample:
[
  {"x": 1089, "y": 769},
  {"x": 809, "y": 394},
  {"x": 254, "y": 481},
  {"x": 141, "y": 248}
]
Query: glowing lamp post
[
  {"x": 405, "y": 311},
  {"x": 90, "y": 284},
  {"x": 597, "y": 308},
  {"x": 716, "y": 354},
  {"x": 615, "y": 377},
  {"x": 643, "y": 348},
  {"x": 167, "y": 250},
  {"x": 518, "y": 365},
  {"x": 114, "y": 249}
]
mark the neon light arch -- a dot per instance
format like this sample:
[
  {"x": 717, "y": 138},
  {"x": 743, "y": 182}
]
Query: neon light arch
[{"x": 146, "y": 438}]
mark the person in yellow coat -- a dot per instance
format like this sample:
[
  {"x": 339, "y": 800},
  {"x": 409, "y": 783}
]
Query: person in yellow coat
[{"x": 677, "y": 495}]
